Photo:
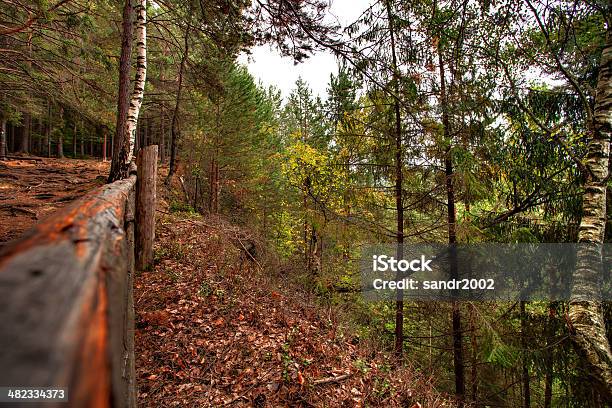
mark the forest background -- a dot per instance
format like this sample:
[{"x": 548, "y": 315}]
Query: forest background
[{"x": 457, "y": 121}]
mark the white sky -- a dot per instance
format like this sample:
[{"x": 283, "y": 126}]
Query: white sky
[{"x": 267, "y": 66}]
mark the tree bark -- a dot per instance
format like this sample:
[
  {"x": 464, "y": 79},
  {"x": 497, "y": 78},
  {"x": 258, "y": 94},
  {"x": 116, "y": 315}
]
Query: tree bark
[
  {"x": 174, "y": 126},
  {"x": 48, "y": 129},
  {"x": 10, "y": 134},
  {"x": 39, "y": 138},
  {"x": 141, "y": 76},
  {"x": 74, "y": 139},
  {"x": 213, "y": 204},
  {"x": 25, "y": 135},
  {"x": 474, "y": 344},
  {"x": 60, "y": 145},
  {"x": 585, "y": 313},
  {"x": 162, "y": 136},
  {"x": 82, "y": 144},
  {"x": 399, "y": 206},
  {"x": 2, "y": 138},
  {"x": 118, "y": 168},
  {"x": 137, "y": 138},
  {"x": 105, "y": 130},
  {"x": 525, "y": 368},
  {"x": 149, "y": 140},
  {"x": 60, "y": 136},
  {"x": 27, "y": 117},
  {"x": 548, "y": 357}
]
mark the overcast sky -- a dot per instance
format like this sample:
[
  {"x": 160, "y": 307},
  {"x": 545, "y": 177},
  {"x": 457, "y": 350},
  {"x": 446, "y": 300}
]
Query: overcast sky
[{"x": 270, "y": 68}]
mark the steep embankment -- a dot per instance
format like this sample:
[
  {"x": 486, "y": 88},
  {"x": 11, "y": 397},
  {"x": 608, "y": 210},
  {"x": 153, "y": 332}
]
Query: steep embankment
[{"x": 215, "y": 328}]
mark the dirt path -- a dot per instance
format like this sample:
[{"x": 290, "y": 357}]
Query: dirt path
[
  {"x": 33, "y": 188},
  {"x": 214, "y": 329}
]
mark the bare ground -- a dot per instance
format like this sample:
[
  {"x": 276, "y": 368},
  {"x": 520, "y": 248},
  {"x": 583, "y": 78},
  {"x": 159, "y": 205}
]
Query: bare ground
[{"x": 33, "y": 188}]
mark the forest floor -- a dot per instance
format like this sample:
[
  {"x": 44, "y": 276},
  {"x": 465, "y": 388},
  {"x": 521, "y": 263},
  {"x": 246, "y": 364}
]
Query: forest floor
[
  {"x": 216, "y": 328},
  {"x": 32, "y": 188}
]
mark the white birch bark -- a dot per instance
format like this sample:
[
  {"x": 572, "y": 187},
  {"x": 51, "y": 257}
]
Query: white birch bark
[
  {"x": 140, "y": 79},
  {"x": 585, "y": 314}
]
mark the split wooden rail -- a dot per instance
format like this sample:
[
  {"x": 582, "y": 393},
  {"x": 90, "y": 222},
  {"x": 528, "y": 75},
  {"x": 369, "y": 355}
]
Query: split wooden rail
[{"x": 66, "y": 302}]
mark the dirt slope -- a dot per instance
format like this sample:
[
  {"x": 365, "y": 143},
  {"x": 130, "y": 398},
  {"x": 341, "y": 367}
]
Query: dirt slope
[{"x": 214, "y": 329}]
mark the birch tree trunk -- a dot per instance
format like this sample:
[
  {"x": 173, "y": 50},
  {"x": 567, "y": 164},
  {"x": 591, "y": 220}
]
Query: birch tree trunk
[
  {"x": 585, "y": 314},
  {"x": 123, "y": 151},
  {"x": 141, "y": 75}
]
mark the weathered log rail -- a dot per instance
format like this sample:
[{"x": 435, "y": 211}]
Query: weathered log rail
[{"x": 66, "y": 306}]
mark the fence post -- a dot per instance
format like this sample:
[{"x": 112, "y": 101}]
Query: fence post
[{"x": 146, "y": 162}]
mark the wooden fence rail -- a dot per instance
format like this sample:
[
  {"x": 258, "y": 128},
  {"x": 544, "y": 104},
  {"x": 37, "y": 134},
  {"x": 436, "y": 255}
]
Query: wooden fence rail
[{"x": 66, "y": 305}]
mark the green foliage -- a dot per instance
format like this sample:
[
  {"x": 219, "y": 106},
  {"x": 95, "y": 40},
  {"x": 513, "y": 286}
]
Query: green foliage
[
  {"x": 179, "y": 206},
  {"x": 205, "y": 290},
  {"x": 523, "y": 235}
]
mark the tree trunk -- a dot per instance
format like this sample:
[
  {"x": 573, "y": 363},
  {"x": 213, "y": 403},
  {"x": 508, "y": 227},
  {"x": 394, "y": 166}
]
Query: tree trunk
[
  {"x": 305, "y": 230},
  {"x": 48, "y": 130},
  {"x": 2, "y": 138},
  {"x": 82, "y": 144},
  {"x": 140, "y": 79},
  {"x": 525, "y": 367},
  {"x": 60, "y": 145},
  {"x": 585, "y": 313},
  {"x": 162, "y": 136},
  {"x": 137, "y": 138},
  {"x": 213, "y": 204},
  {"x": 27, "y": 118},
  {"x": 399, "y": 202},
  {"x": 11, "y": 138},
  {"x": 119, "y": 169},
  {"x": 548, "y": 358},
  {"x": 452, "y": 238},
  {"x": 25, "y": 135},
  {"x": 174, "y": 126},
  {"x": 196, "y": 192},
  {"x": 105, "y": 130},
  {"x": 474, "y": 343},
  {"x": 149, "y": 131},
  {"x": 60, "y": 136},
  {"x": 74, "y": 140},
  {"x": 39, "y": 139}
]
